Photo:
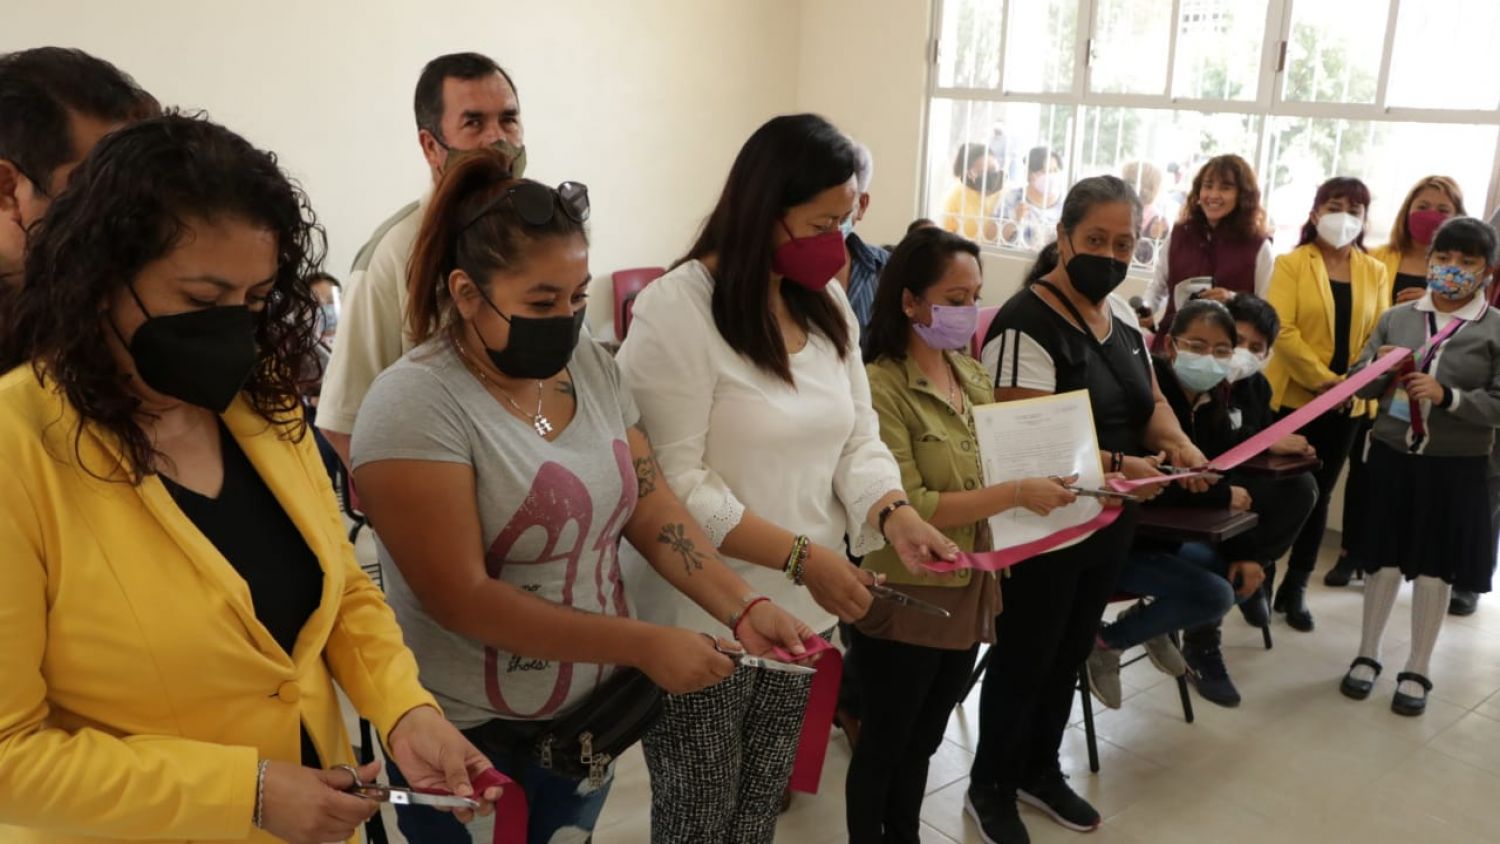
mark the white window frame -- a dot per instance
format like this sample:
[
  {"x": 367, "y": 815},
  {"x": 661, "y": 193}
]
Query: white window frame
[{"x": 1267, "y": 105}]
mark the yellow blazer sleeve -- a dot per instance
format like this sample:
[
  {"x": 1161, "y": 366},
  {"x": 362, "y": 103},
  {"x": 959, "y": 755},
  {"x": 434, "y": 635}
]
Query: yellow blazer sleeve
[
  {"x": 1303, "y": 363},
  {"x": 365, "y": 650},
  {"x": 87, "y": 782},
  {"x": 895, "y": 432}
]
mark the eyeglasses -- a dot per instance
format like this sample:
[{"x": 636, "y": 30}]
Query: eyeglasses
[
  {"x": 1198, "y": 347},
  {"x": 536, "y": 204}
]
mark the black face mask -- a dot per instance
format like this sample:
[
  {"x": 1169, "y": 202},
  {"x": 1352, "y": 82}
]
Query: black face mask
[
  {"x": 200, "y": 357},
  {"x": 1095, "y": 276},
  {"x": 987, "y": 182},
  {"x": 538, "y": 348}
]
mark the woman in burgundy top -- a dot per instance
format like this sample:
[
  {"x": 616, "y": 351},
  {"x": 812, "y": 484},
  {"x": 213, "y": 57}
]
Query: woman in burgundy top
[{"x": 1221, "y": 234}]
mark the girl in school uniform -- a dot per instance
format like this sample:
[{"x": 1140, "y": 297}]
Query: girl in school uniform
[
  {"x": 1430, "y": 202},
  {"x": 1428, "y": 519}
]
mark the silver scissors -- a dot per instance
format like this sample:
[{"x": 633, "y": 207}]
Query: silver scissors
[
  {"x": 403, "y": 796},
  {"x": 1107, "y": 494},
  {"x": 766, "y": 663},
  {"x": 882, "y": 591}
]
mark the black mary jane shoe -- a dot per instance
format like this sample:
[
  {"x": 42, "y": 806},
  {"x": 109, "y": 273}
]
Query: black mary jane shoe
[
  {"x": 1410, "y": 705},
  {"x": 1359, "y": 689}
]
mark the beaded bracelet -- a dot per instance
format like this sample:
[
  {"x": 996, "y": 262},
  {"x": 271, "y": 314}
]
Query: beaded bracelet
[
  {"x": 885, "y": 513},
  {"x": 750, "y": 602},
  {"x": 260, "y": 794},
  {"x": 796, "y": 564}
]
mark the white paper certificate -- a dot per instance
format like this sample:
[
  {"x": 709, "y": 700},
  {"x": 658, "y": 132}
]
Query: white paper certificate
[{"x": 1041, "y": 437}]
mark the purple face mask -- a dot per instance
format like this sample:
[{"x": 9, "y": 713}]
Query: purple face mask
[{"x": 952, "y": 326}]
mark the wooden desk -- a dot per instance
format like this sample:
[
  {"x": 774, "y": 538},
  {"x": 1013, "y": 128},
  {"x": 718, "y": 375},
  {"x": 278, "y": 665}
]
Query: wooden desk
[
  {"x": 1194, "y": 524},
  {"x": 1279, "y": 465}
]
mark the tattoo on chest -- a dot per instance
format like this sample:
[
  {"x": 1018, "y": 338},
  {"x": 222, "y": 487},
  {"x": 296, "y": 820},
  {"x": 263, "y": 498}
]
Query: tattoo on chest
[
  {"x": 566, "y": 388},
  {"x": 674, "y": 536}
]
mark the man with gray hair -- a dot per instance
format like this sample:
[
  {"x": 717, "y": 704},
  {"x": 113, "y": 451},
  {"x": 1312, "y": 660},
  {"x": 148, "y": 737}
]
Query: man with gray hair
[{"x": 861, "y": 272}]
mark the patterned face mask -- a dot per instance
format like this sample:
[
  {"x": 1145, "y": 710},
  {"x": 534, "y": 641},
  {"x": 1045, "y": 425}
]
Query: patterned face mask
[{"x": 1452, "y": 282}]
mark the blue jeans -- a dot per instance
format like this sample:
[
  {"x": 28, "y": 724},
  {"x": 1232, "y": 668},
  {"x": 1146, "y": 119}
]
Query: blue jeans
[
  {"x": 562, "y": 810},
  {"x": 1189, "y": 588}
]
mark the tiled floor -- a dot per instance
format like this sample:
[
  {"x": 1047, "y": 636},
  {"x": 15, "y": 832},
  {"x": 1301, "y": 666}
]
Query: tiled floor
[{"x": 1296, "y": 762}]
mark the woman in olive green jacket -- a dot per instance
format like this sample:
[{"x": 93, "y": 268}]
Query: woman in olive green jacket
[{"x": 912, "y": 667}]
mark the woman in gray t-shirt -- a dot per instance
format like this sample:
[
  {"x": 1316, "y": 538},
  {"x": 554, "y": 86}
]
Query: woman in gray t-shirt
[{"x": 501, "y": 463}]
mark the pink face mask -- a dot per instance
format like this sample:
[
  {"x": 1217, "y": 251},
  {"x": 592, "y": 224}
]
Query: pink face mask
[
  {"x": 1424, "y": 224},
  {"x": 812, "y": 261}
]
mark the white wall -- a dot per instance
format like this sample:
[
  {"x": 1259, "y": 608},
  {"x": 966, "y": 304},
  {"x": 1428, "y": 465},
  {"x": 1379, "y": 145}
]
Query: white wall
[
  {"x": 863, "y": 66},
  {"x": 646, "y": 101}
]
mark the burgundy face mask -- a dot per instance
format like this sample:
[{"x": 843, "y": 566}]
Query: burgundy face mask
[{"x": 812, "y": 261}]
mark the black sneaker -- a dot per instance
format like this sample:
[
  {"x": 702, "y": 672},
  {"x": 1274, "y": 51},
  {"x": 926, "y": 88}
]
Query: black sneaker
[
  {"x": 1207, "y": 673},
  {"x": 994, "y": 812},
  {"x": 1052, "y": 795}
]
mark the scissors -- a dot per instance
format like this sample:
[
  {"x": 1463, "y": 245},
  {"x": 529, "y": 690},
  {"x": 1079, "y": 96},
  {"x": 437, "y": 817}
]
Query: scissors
[
  {"x": 1108, "y": 494},
  {"x": 1206, "y": 472},
  {"x": 880, "y": 590},
  {"x": 403, "y": 796},
  {"x": 765, "y": 663}
]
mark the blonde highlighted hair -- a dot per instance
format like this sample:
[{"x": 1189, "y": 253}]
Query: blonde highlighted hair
[{"x": 1400, "y": 232}]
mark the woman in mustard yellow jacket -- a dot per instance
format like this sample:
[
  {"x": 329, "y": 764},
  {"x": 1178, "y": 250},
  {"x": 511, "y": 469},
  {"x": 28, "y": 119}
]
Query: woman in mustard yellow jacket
[
  {"x": 1329, "y": 294},
  {"x": 177, "y": 598},
  {"x": 1428, "y": 204}
]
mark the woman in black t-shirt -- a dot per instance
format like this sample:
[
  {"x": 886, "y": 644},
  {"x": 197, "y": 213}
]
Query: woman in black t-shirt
[{"x": 1061, "y": 334}]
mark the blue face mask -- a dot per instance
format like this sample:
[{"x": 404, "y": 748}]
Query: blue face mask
[
  {"x": 330, "y": 316},
  {"x": 847, "y": 227},
  {"x": 1199, "y": 373}
]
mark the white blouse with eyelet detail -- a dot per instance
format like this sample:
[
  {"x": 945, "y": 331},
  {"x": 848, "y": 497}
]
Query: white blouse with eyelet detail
[{"x": 731, "y": 436}]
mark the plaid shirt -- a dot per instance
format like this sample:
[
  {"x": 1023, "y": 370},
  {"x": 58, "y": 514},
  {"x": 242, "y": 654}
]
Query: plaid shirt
[{"x": 865, "y": 264}]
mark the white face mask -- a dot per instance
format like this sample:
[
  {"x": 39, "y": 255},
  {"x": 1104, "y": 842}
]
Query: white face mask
[
  {"x": 1245, "y": 364},
  {"x": 1340, "y": 229}
]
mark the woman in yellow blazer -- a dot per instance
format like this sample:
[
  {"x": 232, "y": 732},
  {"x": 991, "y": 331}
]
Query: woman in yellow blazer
[
  {"x": 1329, "y": 294},
  {"x": 177, "y": 597},
  {"x": 970, "y": 207},
  {"x": 1428, "y": 204}
]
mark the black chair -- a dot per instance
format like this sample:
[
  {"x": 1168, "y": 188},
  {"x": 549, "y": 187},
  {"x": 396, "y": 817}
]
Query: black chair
[{"x": 1177, "y": 523}]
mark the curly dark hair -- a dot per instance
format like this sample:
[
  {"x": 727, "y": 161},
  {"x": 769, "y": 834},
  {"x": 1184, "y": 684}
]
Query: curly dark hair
[{"x": 127, "y": 205}]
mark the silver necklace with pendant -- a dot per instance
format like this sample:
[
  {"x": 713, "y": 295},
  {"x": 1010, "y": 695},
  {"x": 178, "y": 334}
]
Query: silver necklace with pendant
[{"x": 539, "y": 421}]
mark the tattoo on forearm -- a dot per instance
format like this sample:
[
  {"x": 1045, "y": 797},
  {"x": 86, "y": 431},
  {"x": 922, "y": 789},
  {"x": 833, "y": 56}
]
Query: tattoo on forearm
[
  {"x": 646, "y": 474},
  {"x": 674, "y": 536}
]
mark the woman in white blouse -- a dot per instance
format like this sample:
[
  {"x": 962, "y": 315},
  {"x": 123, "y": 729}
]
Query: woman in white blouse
[{"x": 744, "y": 361}]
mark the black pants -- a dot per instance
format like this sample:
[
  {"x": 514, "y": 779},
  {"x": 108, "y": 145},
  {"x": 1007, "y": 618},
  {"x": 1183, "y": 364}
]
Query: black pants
[
  {"x": 1332, "y": 435},
  {"x": 1355, "y": 489},
  {"x": 1052, "y": 608},
  {"x": 910, "y": 691},
  {"x": 1283, "y": 505}
]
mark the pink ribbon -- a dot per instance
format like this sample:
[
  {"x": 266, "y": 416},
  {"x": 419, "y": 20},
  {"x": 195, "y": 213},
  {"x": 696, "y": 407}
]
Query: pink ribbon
[
  {"x": 1007, "y": 557},
  {"x": 1288, "y": 425},
  {"x": 510, "y": 812},
  {"x": 817, "y": 723}
]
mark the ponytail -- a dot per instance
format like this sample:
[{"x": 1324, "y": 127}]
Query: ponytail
[
  {"x": 463, "y": 230},
  {"x": 1046, "y": 262}
]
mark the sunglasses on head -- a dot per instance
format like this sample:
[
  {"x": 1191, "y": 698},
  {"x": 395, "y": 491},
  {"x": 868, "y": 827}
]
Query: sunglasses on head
[{"x": 536, "y": 204}]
